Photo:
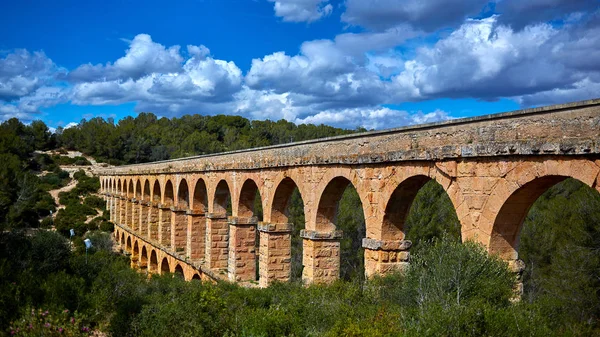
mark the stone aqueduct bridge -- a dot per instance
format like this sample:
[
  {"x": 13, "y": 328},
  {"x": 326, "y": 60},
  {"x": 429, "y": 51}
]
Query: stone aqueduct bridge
[{"x": 171, "y": 215}]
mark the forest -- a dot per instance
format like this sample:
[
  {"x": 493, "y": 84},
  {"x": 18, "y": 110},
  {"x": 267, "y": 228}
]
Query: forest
[{"x": 50, "y": 285}]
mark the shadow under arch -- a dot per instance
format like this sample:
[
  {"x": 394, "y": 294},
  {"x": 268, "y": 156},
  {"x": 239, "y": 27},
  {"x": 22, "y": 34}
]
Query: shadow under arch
[
  {"x": 179, "y": 271},
  {"x": 136, "y": 252},
  {"x": 153, "y": 262},
  {"x": 164, "y": 266},
  {"x": 144, "y": 258},
  {"x": 183, "y": 195}
]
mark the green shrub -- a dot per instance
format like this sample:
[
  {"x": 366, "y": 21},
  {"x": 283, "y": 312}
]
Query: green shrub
[
  {"x": 47, "y": 222},
  {"x": 107, "y": 226},
  {"x": 95, "y": 202},
  {"x": 446, "y": 272}
]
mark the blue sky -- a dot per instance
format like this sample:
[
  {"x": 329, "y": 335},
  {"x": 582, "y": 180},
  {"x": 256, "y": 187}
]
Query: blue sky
[{"x": 377, "y": 64}]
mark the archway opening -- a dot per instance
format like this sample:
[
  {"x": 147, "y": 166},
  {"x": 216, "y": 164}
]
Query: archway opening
[
  {"x": 164, "y": 266},
  {"x": 128, "y": 246},
  {"x": 156, "y": 194},
  {"x": 200, "y": 201},
  {"x": 183, "y": 195},
  {"x": 179, "y": 271},
  {"x": 420, "y": 210},
  {"x": 144, "y": 258},
  {"x": 552, "y": 224},
  {"x": 146, "y": 196},
  {"x": 196, "y": 277},
  {"x": 123, "y": 238},
  {"x": 199, "y": 207},
  {"x": 340, "y": 208},
  {"x": 130, "y": 189},
  {"x": 138, "y": 190},
  {"x": 222, "y": 200},
  {"x": 169, "y": 194},
  {"x": 250, "y": 207},
  {"x": 153, "y": 262},
  {"x": 136, "y": 252},
  {"x": 288, "y": 207}
]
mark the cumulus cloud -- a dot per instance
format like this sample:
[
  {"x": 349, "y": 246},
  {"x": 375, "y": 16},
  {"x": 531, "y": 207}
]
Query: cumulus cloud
[
  {"x": 157, "y": 77},
  {"x": 22, "y": 73},
  {"x": 484, "y": 60},
  {"x": 143, "y": 57},
  {"x": 302, "y": 10},
  {"x": 427, "y": 15}
]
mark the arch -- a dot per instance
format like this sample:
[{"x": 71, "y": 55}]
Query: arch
[
  {"x": 398, "y": 207},
  {"x": 168, "y": 194},
  {"x": 156, "y": 193},
  {"x": 196, "y": 277},
  {"x": 136, "y": 251},
  {"x": 328, "y": 204},
  {"x": 146, "y": 195},
  {"x": 123, "y": 238},
  {"x": 130, "y": 189},
  {"x": 247, "y": 199},
  {"x": 153, "y": 261},
  {"x": 183, "y": 195},
  {"x": 128, "y": 246},
  {"x": 144, "y": 258},
  {"x": 221, "y": 197},
  {"x": 119, "y": 190},
  {"x": 138, "y": 190},
  {"x": 200, "y": 200},
  {"x": 179, "y": 271},
  {"x": 504, "y": 240},
  {"x": 281, "y": 200},
  {"x": 164, "y": 266},
  {"x": 509, "y": 202}
]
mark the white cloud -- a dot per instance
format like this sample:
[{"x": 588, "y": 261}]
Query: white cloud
[
  {"x": 302, "y": 10},
  {"x": 168, "y": 81},
  {"x": 143, "y": 57},
  {"x": 22, "y": 73},
  {"x": 484, "y": 60}
]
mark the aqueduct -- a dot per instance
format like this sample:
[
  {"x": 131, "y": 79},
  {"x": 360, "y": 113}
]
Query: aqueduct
[{"x": 172, "y": 215}]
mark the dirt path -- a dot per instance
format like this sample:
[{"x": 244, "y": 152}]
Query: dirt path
[
  {"x": 54, "y": 194},
  {"x": 88, "y": 169}
]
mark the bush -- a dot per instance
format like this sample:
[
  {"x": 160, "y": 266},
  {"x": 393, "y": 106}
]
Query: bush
[
  {"x": 446, "y": 272},
  {"x": 47, "y": 222},
  {"x": 49, "y": 252},
  {"x": 107, "y": 226},
  {"x": 95, "y": 202},
  {"x": 39, "y": 322},
  {"x": 100, "y": 241}
]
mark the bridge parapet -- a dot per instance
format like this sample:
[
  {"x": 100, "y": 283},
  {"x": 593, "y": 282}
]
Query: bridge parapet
[{"x": 567, "y": 129}]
